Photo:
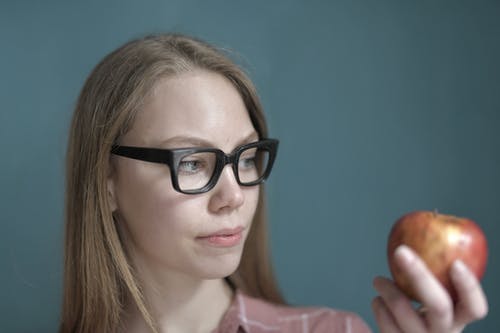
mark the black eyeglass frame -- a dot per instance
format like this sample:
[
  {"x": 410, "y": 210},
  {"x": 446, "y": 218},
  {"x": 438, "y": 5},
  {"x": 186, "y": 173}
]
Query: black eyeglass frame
[{"x": 172, "y": 158}]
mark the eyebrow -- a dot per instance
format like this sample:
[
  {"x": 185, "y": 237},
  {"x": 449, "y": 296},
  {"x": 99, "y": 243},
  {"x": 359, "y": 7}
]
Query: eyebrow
[{"x": 194, "y": 141}]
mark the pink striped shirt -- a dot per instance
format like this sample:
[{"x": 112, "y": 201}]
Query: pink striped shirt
[{"x": 252, "y": 315}]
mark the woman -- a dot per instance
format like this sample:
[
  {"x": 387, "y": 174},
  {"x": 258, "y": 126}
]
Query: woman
[{"x": 165, "y": 218}]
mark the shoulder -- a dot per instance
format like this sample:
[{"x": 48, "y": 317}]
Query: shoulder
[{"x": 256, "y": 315}]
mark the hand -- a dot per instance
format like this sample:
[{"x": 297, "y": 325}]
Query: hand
[{"x": 395, "y": 313}]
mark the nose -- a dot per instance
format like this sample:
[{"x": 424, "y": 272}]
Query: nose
[{"x": 227, "y": 193}]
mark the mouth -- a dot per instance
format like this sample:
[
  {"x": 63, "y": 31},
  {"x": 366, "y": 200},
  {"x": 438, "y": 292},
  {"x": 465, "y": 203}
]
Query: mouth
[{"x": 223, "y": 237}]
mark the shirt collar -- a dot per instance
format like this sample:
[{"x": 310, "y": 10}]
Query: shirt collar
[{"x": 247, "y": 311}]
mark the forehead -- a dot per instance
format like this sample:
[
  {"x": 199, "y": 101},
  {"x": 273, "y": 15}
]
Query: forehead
[{"x": 195, "y": 104}]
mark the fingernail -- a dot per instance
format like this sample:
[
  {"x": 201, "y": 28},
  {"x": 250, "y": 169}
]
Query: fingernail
[{"x": 404, "y": 253}]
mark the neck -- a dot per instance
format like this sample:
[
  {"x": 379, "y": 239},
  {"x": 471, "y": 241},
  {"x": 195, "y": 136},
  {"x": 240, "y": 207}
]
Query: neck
[{"x": 177, "y": 299}]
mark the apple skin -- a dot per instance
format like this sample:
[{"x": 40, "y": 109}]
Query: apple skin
[{"x": 439, "y": 240}]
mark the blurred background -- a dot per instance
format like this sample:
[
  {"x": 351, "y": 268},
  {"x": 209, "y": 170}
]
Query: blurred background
[{"x": 382, "y": 107}]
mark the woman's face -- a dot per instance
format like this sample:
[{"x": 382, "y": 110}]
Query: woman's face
[{"x": 167, "y": 231}]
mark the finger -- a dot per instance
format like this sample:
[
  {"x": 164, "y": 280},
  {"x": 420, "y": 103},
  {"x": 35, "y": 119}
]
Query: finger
[
  {"x": 472, "y": 303},
  {"x": 399, "y": 306},
  {"x": 385, "y": 321},
  {"x": 435, "y": 299}
]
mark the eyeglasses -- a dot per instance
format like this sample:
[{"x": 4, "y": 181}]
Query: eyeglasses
[{"x": 197, "y": 170}]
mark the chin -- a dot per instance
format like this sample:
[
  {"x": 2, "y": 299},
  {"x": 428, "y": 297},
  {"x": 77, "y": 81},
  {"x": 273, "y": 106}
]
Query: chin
[{"x": 221, "y": 267}]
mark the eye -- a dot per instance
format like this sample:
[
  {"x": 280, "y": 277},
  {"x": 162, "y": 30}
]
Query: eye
[
  {"x": 201, "y": 164},
  {"x": 247, "y": 161},
  {"x": 191, "y": 166}
]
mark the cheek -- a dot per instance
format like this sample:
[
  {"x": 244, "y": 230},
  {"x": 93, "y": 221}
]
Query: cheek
[
  {"x": 252, "y": 200},
  {"x": 160, "y": 224},
  {"x": 146, "y": 200},
  {"x": 246, "y": 213}
]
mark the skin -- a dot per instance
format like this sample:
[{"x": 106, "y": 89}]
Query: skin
[
  {"x": 183, "y": 276},
  {"x": 395, "y": 313}
]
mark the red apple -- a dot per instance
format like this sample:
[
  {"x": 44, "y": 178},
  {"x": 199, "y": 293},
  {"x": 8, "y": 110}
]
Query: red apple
[{"x": 439, "y": 240}]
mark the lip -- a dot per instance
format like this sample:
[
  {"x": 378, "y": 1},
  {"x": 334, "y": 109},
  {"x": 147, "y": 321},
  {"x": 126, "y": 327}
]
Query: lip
[{"x": 227, "y": 237}]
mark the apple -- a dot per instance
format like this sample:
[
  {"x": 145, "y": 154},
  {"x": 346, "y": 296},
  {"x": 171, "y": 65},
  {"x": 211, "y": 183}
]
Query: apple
[{"x": 439, "y": 240}]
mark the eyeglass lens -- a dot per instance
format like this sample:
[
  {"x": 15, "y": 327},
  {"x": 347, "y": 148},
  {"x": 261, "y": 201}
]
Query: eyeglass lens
[{"x": 196, "y": 170}]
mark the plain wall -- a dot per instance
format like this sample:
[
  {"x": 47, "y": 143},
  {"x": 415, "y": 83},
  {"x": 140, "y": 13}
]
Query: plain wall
[{"x": 382, "y": 107}]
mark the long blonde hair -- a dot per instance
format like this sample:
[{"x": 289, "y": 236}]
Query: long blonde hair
[{"x": 98, "y": 278}]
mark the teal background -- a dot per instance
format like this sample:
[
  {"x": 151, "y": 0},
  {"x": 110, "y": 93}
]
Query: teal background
[{"x": 382, "y": 107}]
